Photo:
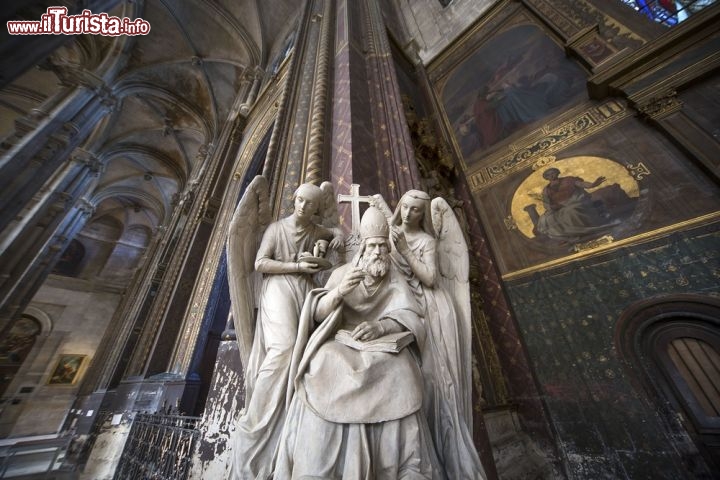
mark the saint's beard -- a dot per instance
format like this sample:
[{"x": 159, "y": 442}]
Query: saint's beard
[{"x": 376, "y": 267}]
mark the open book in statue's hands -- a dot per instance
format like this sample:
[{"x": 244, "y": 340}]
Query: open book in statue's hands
[{"x": 390, "y": 343}]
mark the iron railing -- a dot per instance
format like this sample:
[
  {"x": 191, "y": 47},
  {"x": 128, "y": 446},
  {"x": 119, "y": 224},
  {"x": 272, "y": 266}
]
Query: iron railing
[{"x": 159, "y": 447}]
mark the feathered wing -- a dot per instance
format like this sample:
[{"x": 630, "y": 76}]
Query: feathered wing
[
  {"x": 328, "y": 211},
  {"x": 454, "y": 268},
  {"x": 251, "y": 218}
]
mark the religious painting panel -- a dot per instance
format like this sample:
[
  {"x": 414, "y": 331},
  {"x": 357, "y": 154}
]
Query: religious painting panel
[
  {"x": 509, "y": 81},
  {"x": 622, "y": 184},
  {"x": 14, "y": 348},
  {"x": 67, "y": 370}
]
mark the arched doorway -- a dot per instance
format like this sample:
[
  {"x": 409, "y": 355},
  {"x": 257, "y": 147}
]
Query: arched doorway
[{"x": 672, "y": 349}]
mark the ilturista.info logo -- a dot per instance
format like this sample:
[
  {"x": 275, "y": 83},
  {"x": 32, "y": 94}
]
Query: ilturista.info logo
[{"x": 57, "y": 22}]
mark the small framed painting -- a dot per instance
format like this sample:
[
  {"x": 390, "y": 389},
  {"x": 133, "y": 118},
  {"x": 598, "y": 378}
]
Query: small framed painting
[{"x": 67, "y": 370}]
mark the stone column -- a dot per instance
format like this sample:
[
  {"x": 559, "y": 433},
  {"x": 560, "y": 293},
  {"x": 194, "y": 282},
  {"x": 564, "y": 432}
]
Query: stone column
[
  {"x": 170, "y": 343},
  {"x": 256, "y": 77},
  {"x": 42, "y": 142},
  {"x": 187, "y": 355},
  {"x": 371, "y": 143},
  {"x": 288, "y": 149},
  {"x": 32, "y": 244}
]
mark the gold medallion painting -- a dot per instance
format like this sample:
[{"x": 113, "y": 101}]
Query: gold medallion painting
[{"x": 574, "y": 200}]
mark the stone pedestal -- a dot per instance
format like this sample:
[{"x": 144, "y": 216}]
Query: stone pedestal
[
  {"x": 225, "y": 400},
  {"x": 516, "y": 455}
]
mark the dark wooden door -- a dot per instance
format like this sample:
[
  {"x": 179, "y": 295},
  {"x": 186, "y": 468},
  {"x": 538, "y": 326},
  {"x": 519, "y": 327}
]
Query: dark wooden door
[{"x": 687, "y": 355}]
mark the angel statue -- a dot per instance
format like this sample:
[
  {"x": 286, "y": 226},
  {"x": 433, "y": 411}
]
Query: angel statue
[
  {"x": 289, "y": 254},
  {"x": 430, "y": 250}
]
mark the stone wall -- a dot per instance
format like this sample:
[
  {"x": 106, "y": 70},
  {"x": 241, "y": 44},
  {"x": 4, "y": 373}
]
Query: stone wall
[
  {"x": 78, "y": 317},
  {"x": 606, "y": 427}
]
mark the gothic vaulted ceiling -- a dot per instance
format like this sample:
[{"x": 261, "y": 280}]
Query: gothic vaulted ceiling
[{"x": 174, "y": 90}]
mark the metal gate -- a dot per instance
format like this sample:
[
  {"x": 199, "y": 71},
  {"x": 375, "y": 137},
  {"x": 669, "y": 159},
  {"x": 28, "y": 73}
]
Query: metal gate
[{"x": 158, "y": 447}]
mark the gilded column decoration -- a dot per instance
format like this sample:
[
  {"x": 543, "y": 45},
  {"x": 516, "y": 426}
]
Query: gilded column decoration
[
  {"x": 280, "y": 107},
  {"x": 316, "y": 143},
  {"x": 219, "y": 214}
]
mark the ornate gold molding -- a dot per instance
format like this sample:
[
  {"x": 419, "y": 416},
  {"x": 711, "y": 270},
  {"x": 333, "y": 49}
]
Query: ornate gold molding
[
  {"x": 659, "y": 106},
  {"x": 601, "y": 249},
  {"x": 571, "y": 17},
  {"x": 544, "y": 142},
  {"x": 638, "y": 171},
  {"x": 593, "y": 244}
]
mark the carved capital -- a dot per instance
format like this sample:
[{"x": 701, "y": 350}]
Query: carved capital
[
  {"x": 205, "y": 151},
  {"x": 93, "y": 163},
  {"x": 86, "y": 207},
  {"x": 257, "y": 73},
  {"x": 659, "y": 106},
  {"x": 107, "y": 96}
]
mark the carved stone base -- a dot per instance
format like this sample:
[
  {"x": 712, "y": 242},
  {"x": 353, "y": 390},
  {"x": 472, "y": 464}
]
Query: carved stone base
[
  {"x": 516, "y": 456},
  {"x": 107, "y": 449},
  {"x": 211, "y": 458}
]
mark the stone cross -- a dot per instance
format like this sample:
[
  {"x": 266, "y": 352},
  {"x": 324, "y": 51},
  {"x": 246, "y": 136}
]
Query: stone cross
[{"x": 354, "y": 199}]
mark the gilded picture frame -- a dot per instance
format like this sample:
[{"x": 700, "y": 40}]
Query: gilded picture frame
[{"x": 68, "y": 369}]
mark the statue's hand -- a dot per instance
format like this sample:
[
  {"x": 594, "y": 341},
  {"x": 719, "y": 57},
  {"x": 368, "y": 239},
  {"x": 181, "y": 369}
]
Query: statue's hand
[
  {"x": 399, "y": 240},
  {"x": 352, "y": 279},
  {"x": 308, "y": 267},
  {"x": 368, "y": 330},
  {"x": 336, "y": 242}
]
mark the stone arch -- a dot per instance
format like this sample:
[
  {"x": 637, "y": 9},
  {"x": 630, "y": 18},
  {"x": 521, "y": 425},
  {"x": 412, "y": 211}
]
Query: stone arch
[
  {"x": 42, "y": 318},
  {"x": 670, "y": 348}
]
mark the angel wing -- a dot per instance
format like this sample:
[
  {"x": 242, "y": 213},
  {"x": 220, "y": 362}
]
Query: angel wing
[
  {"x": 454, "y": 268},
  {"x": 251, "y": 218},
  {"x": 328, "y": 210}
]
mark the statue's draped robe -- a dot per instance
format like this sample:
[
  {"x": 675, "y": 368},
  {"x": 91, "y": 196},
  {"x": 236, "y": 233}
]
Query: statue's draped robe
[
  {"x": 357, "y": 414},
  {"x": 447, "y": 397},
  {"x": 280, "y": 302}
]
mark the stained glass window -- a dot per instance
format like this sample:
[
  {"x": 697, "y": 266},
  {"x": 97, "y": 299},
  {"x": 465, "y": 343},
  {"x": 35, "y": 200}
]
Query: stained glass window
[{"x": 668, "y": 12}]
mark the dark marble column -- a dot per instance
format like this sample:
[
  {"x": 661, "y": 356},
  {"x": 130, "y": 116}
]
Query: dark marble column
[{"x": 371, "y": 143}]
